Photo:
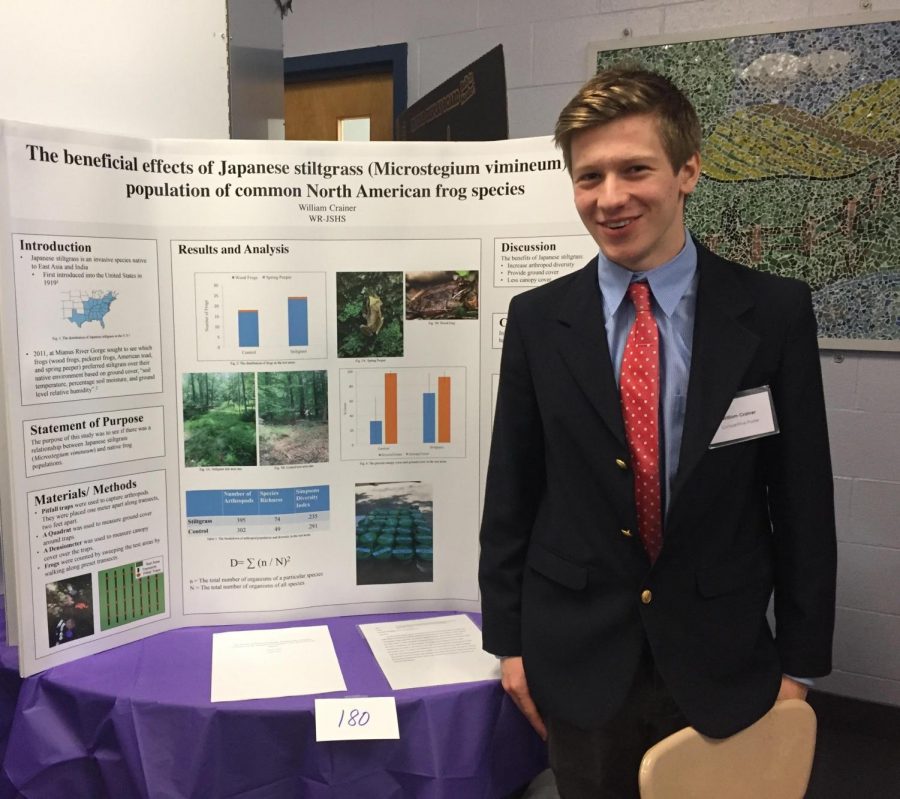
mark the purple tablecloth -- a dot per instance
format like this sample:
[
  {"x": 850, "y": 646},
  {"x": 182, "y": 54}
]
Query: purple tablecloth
[
  {"x": 10, "y": 685},
  {"x": 137, "y": 722}
]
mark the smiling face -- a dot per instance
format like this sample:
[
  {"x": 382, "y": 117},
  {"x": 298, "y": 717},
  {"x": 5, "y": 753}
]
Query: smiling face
[{"x": 628, "y": 195}]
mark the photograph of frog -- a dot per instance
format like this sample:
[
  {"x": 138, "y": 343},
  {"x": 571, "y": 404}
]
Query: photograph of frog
[
  {"x": 370, "y": 314},
  {"x": 442, "y": 295},
  {"x": 394, "y": 540},
  {"x": 70, "y": 612}
]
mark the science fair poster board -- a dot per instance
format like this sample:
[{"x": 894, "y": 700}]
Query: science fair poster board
[{"x": 253, "y": 381}]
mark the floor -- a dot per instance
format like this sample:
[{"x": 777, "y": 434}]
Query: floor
[
  {"x": 857, "y": 750},
  {"x": 857, "y": 753}
]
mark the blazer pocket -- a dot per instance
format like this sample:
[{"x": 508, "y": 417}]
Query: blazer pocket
[
  {"x": 734, "y": 575},
  {"x": 558, "y": 569}
]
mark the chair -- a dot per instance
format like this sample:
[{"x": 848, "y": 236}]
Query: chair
[{"x": 771, "y": 759}]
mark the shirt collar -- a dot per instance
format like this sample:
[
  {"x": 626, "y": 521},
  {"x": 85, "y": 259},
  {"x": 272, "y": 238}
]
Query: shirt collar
[{"x": 668, "y": 282}]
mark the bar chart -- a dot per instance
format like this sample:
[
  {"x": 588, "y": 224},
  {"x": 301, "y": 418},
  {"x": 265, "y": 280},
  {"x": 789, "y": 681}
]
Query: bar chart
[
  {"x": 254, "y": 316},
  {"x": 298, "y": 321},
  {"x": 248, "y": 328},
  {"x": 404, "y": 412}
]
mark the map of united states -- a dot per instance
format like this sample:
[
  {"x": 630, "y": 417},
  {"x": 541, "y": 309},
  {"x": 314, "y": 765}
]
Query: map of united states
[{"x": 89, "y": 308}]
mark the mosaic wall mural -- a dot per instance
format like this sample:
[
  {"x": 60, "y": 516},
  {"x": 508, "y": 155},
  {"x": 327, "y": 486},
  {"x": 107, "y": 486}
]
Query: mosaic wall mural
[{"x": 801, "y": 156}]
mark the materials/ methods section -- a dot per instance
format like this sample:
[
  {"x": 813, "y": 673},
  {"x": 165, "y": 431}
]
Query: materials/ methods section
[
  {"x": 523, "y": 262},
  {"x": 97, "y": 552},
  {"x": 87, "y": 316},
  {"x": 414, "y": 412},
  {"x": 252, "y": 316}
]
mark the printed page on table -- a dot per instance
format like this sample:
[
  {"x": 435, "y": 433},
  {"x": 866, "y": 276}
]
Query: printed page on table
[{"x": 253, "y": 380}]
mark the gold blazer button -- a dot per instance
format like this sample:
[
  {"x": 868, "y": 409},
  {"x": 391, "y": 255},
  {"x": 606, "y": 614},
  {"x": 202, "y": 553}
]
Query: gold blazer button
[
  {"x": 626, "y": 532},
  {"x": 621, "y": 464},
  {"x": 646, "y": 596}
]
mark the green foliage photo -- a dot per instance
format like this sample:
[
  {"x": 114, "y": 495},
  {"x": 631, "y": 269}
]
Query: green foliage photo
[
  {"x": 219, "y": 419},
  {"x": 370, "y": 314}
]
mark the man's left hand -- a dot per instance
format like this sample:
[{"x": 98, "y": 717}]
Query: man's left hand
[{"x": 791, "y": 689}]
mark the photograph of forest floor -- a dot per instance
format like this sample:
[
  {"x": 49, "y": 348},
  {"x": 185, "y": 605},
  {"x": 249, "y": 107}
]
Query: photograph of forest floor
[
  {"x": 301, "y": 442},
  {"x": 293, "y": 417},
  {"x": 220, "y": 437}
]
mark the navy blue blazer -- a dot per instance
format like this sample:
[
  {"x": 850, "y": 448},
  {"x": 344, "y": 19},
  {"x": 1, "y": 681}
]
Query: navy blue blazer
[{"x": 563, "y": 574}]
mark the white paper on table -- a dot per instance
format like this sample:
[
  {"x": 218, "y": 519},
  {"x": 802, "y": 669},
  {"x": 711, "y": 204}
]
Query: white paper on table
[
  {"x": 288, "y": 661},
  {"x": 437, "y": 651}
]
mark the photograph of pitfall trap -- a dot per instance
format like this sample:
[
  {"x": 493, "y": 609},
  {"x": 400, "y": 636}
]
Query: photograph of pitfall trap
[{"x": 394, "y": 533}]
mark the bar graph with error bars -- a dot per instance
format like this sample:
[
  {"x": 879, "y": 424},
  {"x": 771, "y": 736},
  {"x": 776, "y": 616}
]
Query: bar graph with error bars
[{"x": 403, "y": 412}]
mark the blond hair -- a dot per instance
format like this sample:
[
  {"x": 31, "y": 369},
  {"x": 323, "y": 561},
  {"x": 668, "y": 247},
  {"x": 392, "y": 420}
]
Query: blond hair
[{"x": 625, "y": 91}]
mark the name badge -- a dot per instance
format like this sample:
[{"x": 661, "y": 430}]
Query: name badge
[{"x": 750, "y": 415}]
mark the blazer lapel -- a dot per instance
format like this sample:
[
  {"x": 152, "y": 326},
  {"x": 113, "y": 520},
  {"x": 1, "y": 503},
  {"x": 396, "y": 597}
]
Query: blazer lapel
[
  {"x": 721, "y": 352},
  {"x": 584, "y": 348}
]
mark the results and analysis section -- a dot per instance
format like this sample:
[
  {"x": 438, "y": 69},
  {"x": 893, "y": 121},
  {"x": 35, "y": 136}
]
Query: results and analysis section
[{"x": 277, "y": 352}]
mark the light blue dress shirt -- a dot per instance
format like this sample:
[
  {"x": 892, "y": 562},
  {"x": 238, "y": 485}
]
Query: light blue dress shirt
[{"x": 674, "y": 289}]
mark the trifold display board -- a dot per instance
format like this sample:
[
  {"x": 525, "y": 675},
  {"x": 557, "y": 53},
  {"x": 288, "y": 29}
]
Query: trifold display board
[{"x": 254, "y": 381}]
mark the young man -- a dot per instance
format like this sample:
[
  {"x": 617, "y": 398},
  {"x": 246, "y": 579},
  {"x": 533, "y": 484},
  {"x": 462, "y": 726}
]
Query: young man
[{"x": 659, "y": 466}]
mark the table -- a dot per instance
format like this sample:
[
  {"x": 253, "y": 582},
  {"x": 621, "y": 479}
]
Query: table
[
  {"x": 10, "y": 685},
  {"x": 136, "y": 721}
]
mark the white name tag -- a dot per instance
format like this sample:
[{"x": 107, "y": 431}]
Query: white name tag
[
  {"x": 750, "y": 415},
  {"x": 362, "y": 718}
]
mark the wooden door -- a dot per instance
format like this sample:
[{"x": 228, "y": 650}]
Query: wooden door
[{"x": 313, "y": 109}]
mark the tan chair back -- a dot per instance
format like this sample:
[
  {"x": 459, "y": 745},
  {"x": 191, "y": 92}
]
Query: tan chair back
[{"x": 771, "y": 759}]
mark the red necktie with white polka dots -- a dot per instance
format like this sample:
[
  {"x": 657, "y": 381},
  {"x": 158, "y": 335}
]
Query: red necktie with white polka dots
[{"x": 639, "y": 391}]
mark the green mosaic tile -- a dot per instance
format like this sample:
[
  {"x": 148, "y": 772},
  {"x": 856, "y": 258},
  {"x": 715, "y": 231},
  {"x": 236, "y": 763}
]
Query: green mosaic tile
[{"x": 801, "y": 155}]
